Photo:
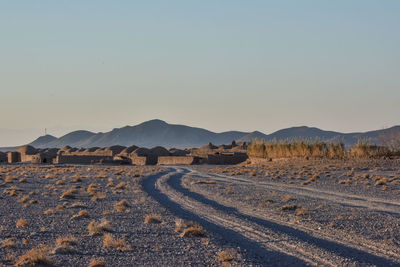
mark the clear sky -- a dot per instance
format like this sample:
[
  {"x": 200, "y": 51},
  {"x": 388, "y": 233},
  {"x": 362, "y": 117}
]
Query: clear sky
[{"x": 220, "y": 65}]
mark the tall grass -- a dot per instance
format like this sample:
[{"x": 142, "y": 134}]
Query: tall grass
[
  {"x": 294, "y": 148},
  {"x": 363, "y": 149}
]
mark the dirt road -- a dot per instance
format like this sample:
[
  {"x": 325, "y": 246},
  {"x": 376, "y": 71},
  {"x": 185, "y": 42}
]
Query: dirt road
[{"x": 269, "y": 238}]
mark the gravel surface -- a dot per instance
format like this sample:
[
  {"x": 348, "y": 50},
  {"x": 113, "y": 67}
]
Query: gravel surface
[
  {"x": 40, "y": 190},
  {"x": 285, "y": 213}
]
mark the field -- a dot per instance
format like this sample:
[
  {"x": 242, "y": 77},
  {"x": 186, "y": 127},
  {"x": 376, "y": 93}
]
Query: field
[{"x": 285, "y": 213}]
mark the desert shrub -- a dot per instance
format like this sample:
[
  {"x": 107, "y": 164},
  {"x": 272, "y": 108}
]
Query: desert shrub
[
  {"x": 363, "y": 149},
  {"x": 99, "y": 228},
  {"x": 189, "y": 229},
  {"x": 227, "y": 255},
  {"x": 119, "y": 244},
  {"x": 121, "y": 206},
  {"x": 97, "y": 263},
  {"x": 65, "y": 244},
  {"x": 38, "y": 256},
  {"x": 295, "y": 148},
  {"x": 22, "y": 223},
  {"x": 8, "y": 243},
  {"x": 153, "y": 218},
  {"x": 307, "y": 148}
]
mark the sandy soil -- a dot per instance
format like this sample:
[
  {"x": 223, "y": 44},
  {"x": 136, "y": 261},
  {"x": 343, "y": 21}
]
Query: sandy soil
[{"x": 287, "y": 213}]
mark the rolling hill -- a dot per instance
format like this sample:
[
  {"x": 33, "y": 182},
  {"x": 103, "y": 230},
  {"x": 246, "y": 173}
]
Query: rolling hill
[{"x": 159, "y": 133}]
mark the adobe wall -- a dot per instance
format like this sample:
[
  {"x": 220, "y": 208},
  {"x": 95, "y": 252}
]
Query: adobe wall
[
  {"x": 30, "y": 158},
  {"x": 102, "y": 153},
  {"x": 177, "y": 160},
  {"x": 80, "y": 159},
  {"x": 14, "y": 157},
  {"x": 226, "y": 159},
  {"x": 140, "y": 161}
]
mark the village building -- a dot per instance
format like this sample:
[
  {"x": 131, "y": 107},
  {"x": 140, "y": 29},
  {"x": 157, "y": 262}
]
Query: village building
[
  {"x": 209, "y": 154},
  {"x": 29, "y": 154}
]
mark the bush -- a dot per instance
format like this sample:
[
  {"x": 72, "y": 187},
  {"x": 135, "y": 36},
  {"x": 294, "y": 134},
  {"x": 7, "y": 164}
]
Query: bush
[{"x": 295, "y": 148}]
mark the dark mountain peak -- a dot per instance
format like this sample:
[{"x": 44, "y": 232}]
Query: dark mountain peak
[
  {"x": 253, "y": 135},
  {"x": 78, "y": 133},
  {"x": 154, "y": 123},
  {"x": 43, "y": 140},
  {"x": 47, "y": 138}
]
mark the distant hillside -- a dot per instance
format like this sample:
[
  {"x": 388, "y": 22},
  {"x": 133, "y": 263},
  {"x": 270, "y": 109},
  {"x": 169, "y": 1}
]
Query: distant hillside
[
  {"x": 159, "y": 133},
  {"x": 148, "y": 134}
]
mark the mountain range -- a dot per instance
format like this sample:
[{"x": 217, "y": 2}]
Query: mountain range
[{"x": 159, "y": 133}]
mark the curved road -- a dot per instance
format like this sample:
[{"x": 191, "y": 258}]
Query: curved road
[{"x": 267, "y": 240}]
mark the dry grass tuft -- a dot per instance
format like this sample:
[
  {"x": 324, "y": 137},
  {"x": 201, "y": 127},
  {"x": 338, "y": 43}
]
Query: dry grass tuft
[
  {"x": 22, "y": 223},
  {"x": 110, "y": 182},
  {"x": 38, "y": 256},
  {"x": 381, "y": 181},
  {"x": 287, "y": 198},
  {"x": 227, "y": 255},
  {"x": 308, "y": 181},
  {"x": 69, "y": 193},
  {"x": 48, "y": 212},
  {"x": 121, "y": 185},
  {"x": 189, "y": 229},
  {"x": 288, "y": 207},
  {"x": 77, "y": 180},
  {"x": 60, "y": 208},
  {"x": 8, "y": 243},
  {"x": 81, "y": 214},
  {"x": 97, "y": 263},
  {"x": 24, "y": 199},
  {"x": 99, "y": 228},
  {"x": 301, "y": 211},
  {"x": 9, "y": 179},
  {"x": 152, "y": 219},
  {"x": 78, "y": 205},
  {"x": 118, "y": 244},
  {"x": 92, "y": 190},
  {"x": 65, "y": 245},
  {"x": 121, "y": 206},
  {"x": 98, "y": 196}
]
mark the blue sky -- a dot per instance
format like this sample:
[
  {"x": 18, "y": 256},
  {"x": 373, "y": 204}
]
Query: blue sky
[{"x": 220, "y": 65}]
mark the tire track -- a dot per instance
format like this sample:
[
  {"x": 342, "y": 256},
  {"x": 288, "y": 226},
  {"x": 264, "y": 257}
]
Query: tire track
[
  {"x": 377, "y": 204},
  {"x": 391, "y": 253},
  {"x": 267, "y": 236},
  {"x": 256, "y": 254}
]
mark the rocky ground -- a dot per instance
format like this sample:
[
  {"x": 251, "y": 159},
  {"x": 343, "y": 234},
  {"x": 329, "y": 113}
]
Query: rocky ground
[
  {"x": 284, "y": 213},
  {"x": 53, "y": 206}
]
